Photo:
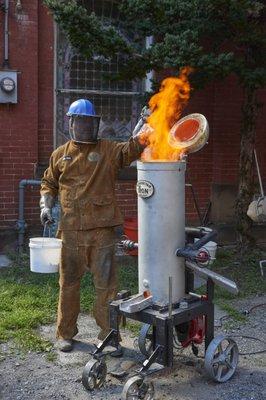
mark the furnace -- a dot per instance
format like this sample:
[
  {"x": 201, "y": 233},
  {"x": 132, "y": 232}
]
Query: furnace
[
  {"x": 169, "y": 255},
  {"x": 166, "y": 303},
  {"x": 161, "y": 222}
]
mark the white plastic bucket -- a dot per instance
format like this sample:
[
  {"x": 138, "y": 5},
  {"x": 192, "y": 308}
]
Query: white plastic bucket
[
  {"x": 211, "y": 247},
  {"x": 45, "y": 254}
]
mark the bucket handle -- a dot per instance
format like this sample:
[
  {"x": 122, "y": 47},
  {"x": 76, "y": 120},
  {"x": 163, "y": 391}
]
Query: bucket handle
[{"x": 46, "y": 226}]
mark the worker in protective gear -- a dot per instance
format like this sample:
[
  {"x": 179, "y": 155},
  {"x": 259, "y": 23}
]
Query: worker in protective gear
[{"x": 82, "y": 172}]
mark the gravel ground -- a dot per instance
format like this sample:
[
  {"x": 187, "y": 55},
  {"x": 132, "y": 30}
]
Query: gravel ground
[{"x": 32, "y": 376}]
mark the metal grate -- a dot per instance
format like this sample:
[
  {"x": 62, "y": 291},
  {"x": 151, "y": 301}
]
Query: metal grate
[
  {"x": 91, "y": 75},
  {"x": 105, "y": 8},
  {"x": 78, "y": 77}
]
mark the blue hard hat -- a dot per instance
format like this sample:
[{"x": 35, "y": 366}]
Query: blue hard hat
[{"x": 81, "y": 107}]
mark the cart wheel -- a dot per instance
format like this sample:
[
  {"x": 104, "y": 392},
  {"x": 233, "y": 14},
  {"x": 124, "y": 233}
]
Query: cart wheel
[
  {"x": 94, "y": 374},
  {"x": 221, "y": 358},
  {"x": 145, "y": 340},
  {"x": 135, "y": 389}
]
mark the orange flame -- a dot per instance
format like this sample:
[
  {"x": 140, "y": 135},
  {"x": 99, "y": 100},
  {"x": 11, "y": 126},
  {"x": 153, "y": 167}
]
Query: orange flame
[{"x": 166, "y": 107}]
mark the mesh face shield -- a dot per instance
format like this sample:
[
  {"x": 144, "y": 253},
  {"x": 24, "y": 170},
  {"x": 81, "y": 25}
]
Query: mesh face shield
[{"x": 84, "y": 129}]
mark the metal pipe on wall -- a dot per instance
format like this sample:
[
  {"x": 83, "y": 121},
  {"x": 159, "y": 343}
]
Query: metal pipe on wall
[
  {"x": 259, "y": 175},
  {"x": 21, "y": 225},
  {"x": 6, "y": 36}
]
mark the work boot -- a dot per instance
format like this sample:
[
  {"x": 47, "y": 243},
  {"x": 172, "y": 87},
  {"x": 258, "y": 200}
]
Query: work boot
[
  {"x": 65, "y": 345},
  {"x": 118, "y": 352}
]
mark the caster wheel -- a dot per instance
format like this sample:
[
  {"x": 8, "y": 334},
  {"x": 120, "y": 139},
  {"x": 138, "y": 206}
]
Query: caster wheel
[
  {"x": 135, "y": 389},
  {"x": 221, "y": 358},
  {"x": 94, "y": 374},
  {"x": 145, "y": 340}
]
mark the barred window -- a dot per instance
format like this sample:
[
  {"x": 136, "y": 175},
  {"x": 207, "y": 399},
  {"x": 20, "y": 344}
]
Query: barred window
[{"x": 77, "y": 77}]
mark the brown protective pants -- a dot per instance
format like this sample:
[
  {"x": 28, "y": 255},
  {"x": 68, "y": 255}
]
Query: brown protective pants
[{"x": 82, "y": 251}]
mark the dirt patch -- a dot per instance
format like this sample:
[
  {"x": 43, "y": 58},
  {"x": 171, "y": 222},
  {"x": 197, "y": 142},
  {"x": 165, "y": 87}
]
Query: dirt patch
[{"x": 32, "y": 376}]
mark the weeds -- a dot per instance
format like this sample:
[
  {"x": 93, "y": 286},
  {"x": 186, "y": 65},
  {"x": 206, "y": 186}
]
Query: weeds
[
  {"x": 245, "y": 272},
  {"x": 51, "y": 356}
]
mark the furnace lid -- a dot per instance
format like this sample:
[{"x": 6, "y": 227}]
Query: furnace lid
[{"x": 190, "y": 133}]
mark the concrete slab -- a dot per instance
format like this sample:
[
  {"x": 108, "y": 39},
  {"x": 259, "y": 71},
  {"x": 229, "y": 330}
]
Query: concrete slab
[{"x": 4, "y": 261}]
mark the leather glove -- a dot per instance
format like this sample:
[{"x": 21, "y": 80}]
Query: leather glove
[
  {"x": 46, "y": 204},
  {"x": 143, "y": 130},
  {"x": 145, "y": 113}
]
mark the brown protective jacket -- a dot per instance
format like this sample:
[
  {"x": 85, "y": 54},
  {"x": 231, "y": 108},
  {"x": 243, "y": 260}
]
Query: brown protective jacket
[{"x": 83, "y": 175}]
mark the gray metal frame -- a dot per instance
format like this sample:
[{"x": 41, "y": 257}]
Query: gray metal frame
[{"x": 163, "y": 324}]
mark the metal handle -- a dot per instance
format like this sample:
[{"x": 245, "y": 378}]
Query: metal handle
[
  {"x": 191, "y": 251},
  {"x": 197, "y": 232},
  {"x": 220, "y": 280},
  {"x": 170, "y": 306},
  {"x": 128, "y": 244},
  {"x": 205, "y": 239},
  {"x": 46, "y": 226},
  {"x": 259, "y": 176}
]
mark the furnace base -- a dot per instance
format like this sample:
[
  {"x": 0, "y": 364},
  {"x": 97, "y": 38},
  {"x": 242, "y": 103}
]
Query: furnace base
[
  {"x": 190, "y": 322},
  {"x": 163, "y": 324}
]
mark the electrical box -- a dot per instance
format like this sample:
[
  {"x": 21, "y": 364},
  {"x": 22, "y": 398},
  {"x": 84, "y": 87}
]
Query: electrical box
[{"x": 8, "y": 86}]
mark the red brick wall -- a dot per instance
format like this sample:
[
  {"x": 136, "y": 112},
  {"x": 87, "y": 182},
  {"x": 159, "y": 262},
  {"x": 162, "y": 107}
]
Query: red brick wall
[
  {"x": 45, "y": 85},
  {"x": 217, "y": 163},
  {"x": 26, "y": 129},
  {"x": 19, "y": 144},
  {"x": 126, "y": 198},
  {"x": 200, "y": 165}
]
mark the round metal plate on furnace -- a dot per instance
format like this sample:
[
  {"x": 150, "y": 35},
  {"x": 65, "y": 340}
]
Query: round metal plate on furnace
[{"x": 144, "y": 189}]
